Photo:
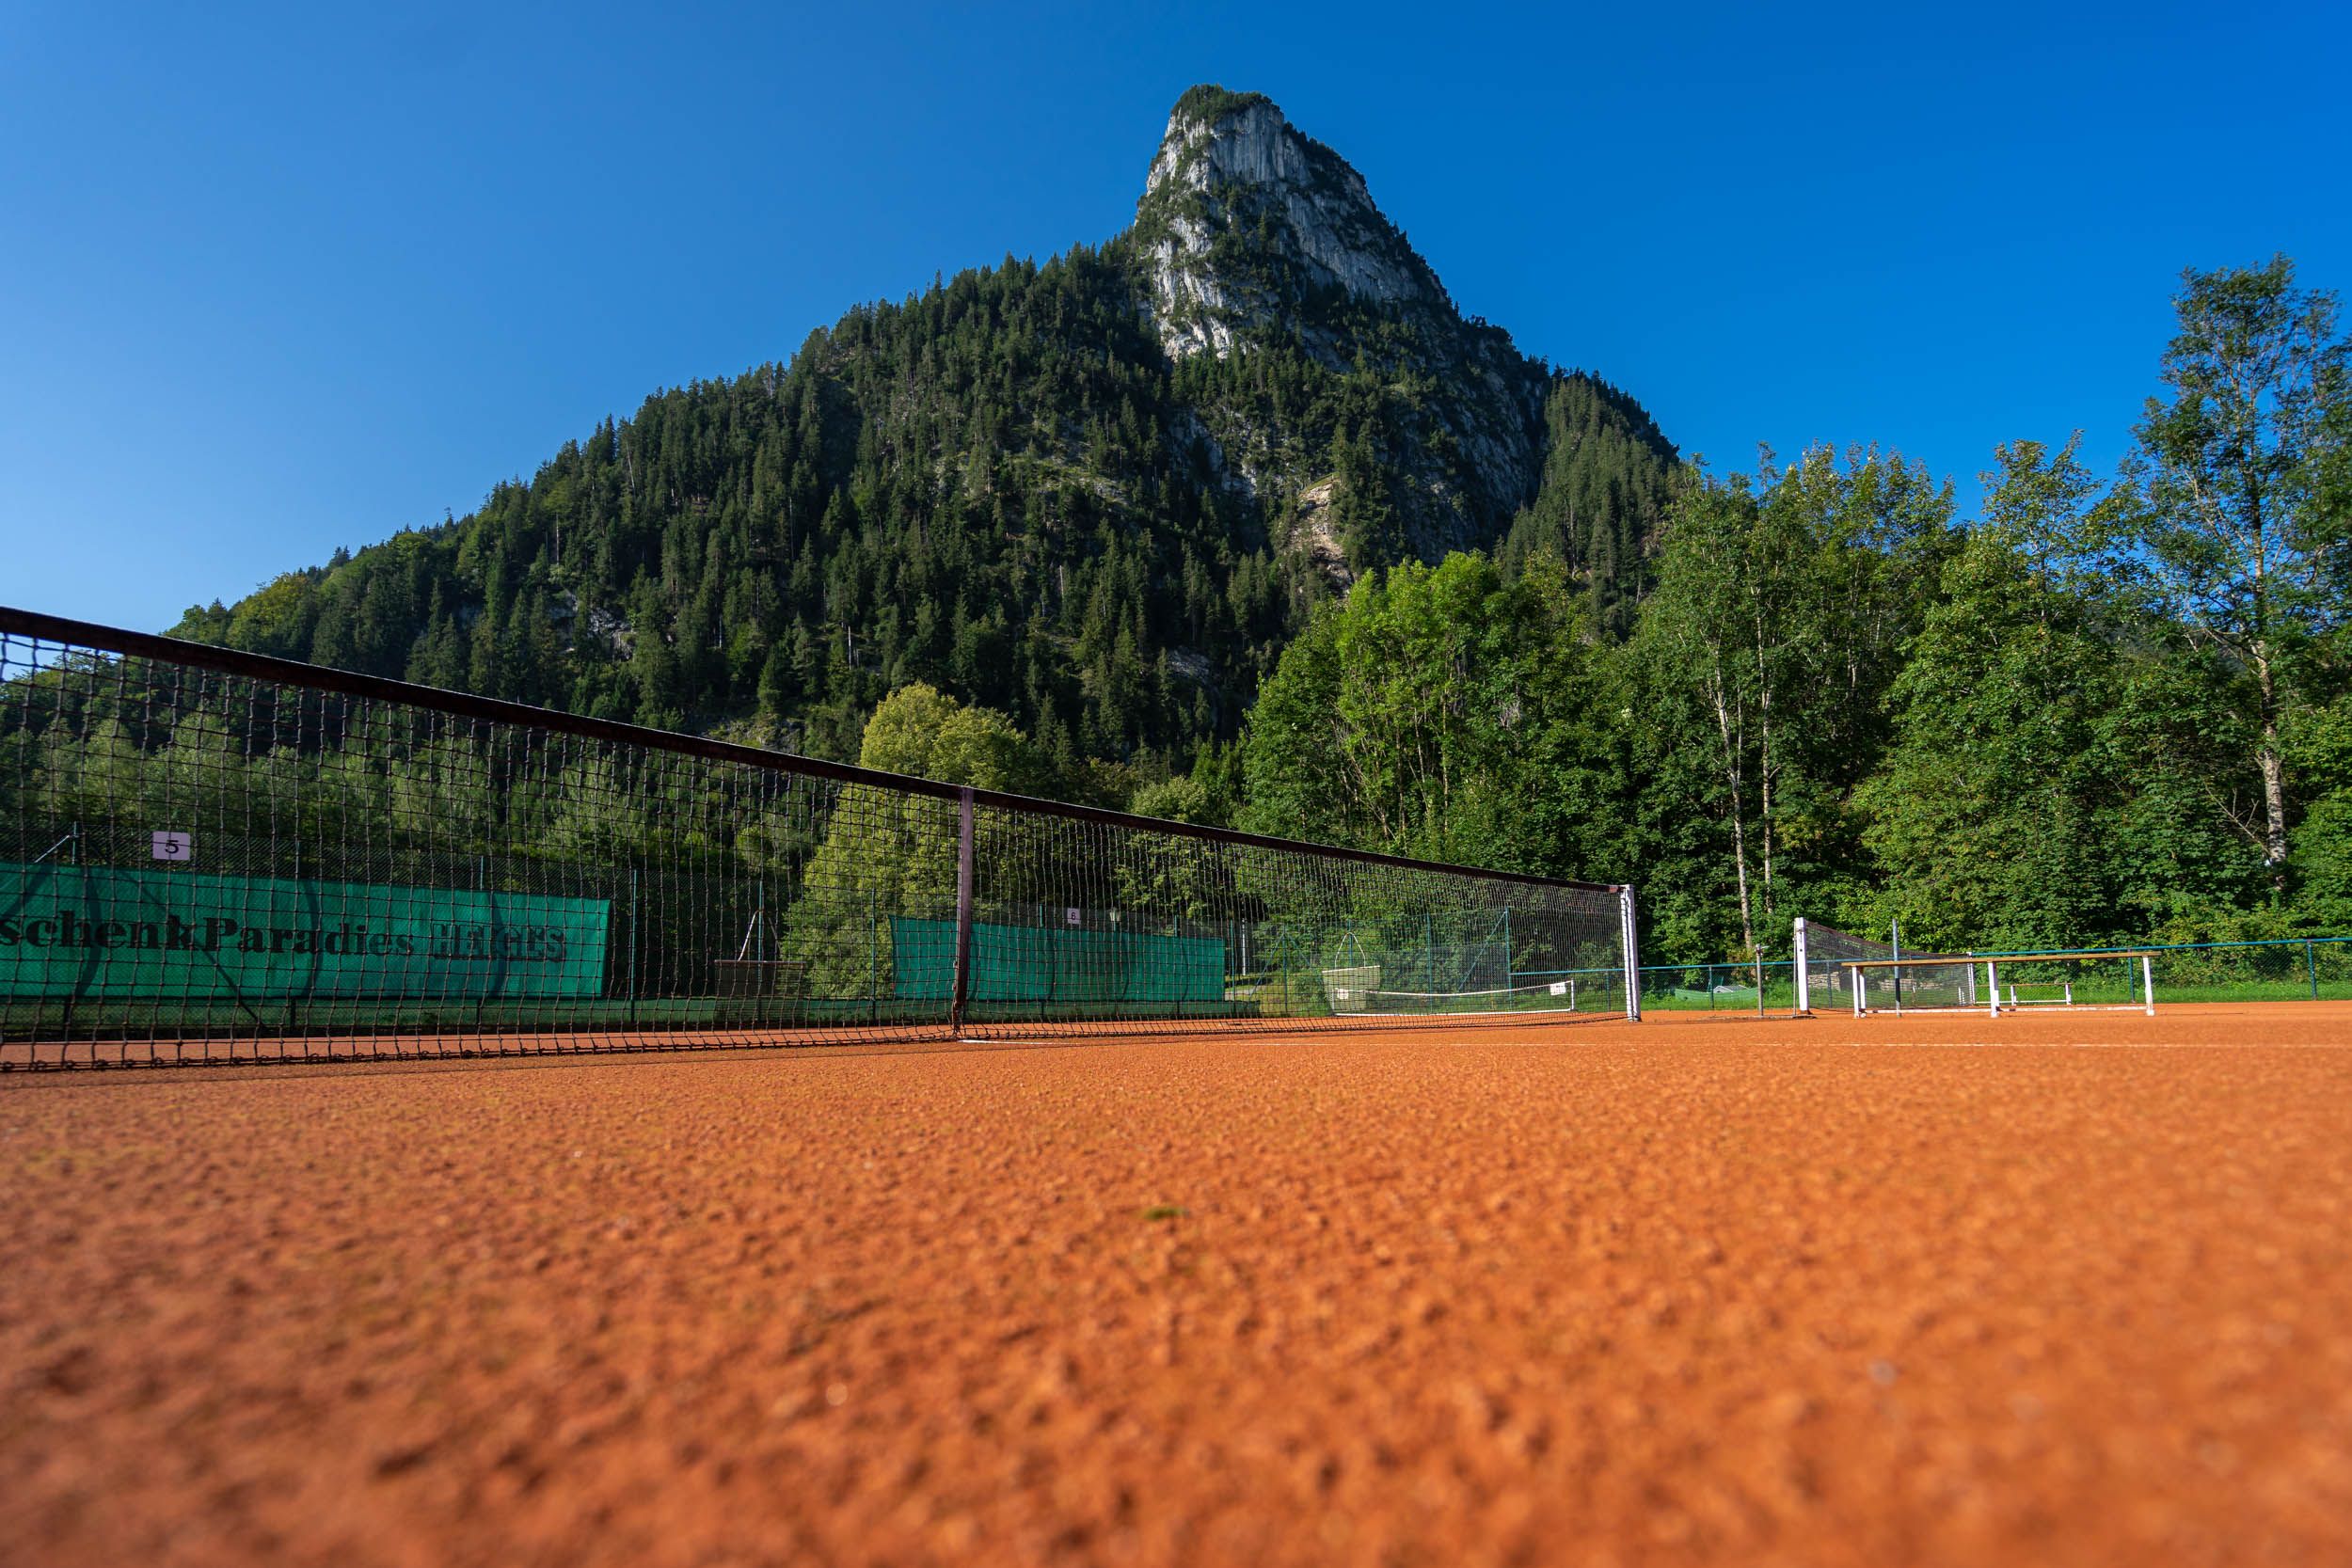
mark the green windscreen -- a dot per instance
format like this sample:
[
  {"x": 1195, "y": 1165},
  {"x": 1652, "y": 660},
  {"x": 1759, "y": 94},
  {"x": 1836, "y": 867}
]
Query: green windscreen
[
  {"x": 91, "y": 931},
  {"x": 1029, "y": 963}
]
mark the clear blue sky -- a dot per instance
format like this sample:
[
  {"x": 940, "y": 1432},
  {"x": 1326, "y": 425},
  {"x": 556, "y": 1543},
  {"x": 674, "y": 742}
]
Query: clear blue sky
[{"x": 276, "y": 281}]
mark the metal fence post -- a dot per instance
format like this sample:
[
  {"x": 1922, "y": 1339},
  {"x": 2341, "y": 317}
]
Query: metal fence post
[
  {"x": 964, "y": 908},
  {"x": 1632, "y": 955},
  {"x": 2310, "y": 961}
]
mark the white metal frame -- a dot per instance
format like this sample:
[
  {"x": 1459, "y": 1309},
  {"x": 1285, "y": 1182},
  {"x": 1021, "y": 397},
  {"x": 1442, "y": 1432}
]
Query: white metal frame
[
  {"x": 1801, "y": 961},
  {"x": 2147, "y": 1003},
  {"x": 1965, "y": 962},
  {"x": 1632, "y": 956},
  {"x": 1565, "y": 989}
]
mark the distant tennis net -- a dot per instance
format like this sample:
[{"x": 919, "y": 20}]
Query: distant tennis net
[
  {"x": 210, "y": 855},
  {"x": 1838, "y": 970},
  {"x": 1557, "y": 996}
]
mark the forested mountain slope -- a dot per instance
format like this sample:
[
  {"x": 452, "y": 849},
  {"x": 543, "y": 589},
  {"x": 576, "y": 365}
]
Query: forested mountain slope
[
  {"x": 1098, "y": 494},
  {"x": 1236, "y": 518}
]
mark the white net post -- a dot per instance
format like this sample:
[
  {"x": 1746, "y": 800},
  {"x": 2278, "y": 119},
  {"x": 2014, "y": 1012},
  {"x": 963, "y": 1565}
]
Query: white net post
[
  {"x": 1895, "y": 945},
  {"x": 1632, "y": 955},
  {"x": 2148, "y": 982},
  {"x": 1993, "y": 989},
  {"x": 1799, "y": 962}
]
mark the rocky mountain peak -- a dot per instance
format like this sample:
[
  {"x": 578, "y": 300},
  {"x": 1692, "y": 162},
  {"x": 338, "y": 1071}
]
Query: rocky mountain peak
[
  {"x": 1244, "y": 218},
  {"x": 1421, "y": 432}
]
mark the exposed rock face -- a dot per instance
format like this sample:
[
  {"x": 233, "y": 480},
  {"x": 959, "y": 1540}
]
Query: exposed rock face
[
  {"x": 1315, "y": 535},
  {"x": 1252, "y": 237},
  {"x": 1247, "y": 169}
]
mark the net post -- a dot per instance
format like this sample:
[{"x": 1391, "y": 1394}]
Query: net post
[
  {"x": 1895, "y": 939},
  {"x": 1853, "y": 978},
  {"x": 2148, "y": 982},
  {"x": 1797, "y": 953},
  {"x": 1632, "y": 954},
  {"x": 1993, "y": 989},
  {"x": 964, "y": 908}
]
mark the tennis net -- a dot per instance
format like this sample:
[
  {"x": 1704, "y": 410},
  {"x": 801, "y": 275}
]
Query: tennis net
[
  {"x": 1827, "y": 976},
  {"x": 210, "y": 855},
  {"x": 1543, "y": 997}
]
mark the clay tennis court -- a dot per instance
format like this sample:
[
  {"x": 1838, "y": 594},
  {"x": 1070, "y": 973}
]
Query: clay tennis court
[{"x": 1823, "y": 1292}]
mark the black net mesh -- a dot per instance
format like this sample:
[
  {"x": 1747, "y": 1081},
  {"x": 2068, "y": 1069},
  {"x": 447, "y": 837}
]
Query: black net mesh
[
  {"x": 1827, "y": 951},
  {"x": 1921, "y": 980},
  {"x": 206, "y": 856}
]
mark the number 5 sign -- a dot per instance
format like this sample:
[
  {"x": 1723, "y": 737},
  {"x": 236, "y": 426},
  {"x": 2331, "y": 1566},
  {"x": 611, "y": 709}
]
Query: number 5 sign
[{"x": 174, "y": 847}]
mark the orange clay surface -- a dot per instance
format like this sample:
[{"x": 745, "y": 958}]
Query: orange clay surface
[{"x": 1819, "y": 1291}]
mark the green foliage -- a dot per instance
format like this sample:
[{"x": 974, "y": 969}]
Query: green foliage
[
  {"x": 1182, "y": 798},
  {"x": 919, "y": 732},
  {"x": 2242, "y": 525},
  {"x": 1760, "y": 669},
  {"x": 978, "y": 489},
  {"x": 2323, "y": 857},
  {"x": 886, "y": 853},
  {"x": 1609, "y": 475},
  {"x": 1209, "y": 102},
  {"x": 1833, "y": 702},
  {"x": 1993, "y": 812},
  {"x": 1437, "y": 712}
]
